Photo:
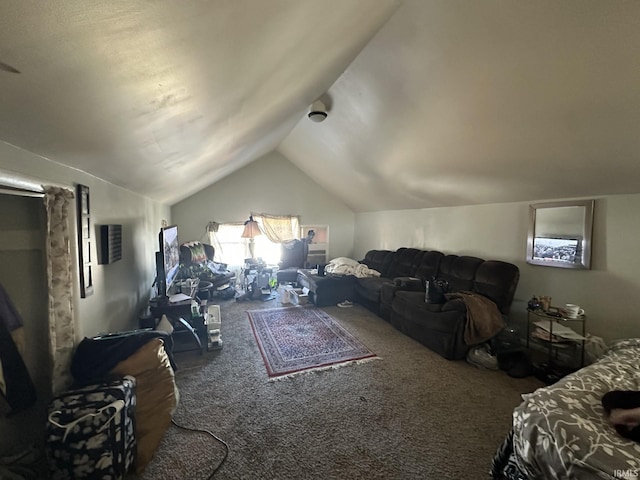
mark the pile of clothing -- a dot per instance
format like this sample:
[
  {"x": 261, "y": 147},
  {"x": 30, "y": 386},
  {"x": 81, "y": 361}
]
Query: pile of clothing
[{"x": 348, "y": 266}]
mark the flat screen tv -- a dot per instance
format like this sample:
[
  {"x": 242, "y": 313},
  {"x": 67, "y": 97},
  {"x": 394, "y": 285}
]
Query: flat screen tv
[
  {"x": 556, "y": 249},
  {"x": 168, "y": 259}
]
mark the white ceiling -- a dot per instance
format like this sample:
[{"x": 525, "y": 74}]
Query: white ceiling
[{"x": 434, "y": 103}]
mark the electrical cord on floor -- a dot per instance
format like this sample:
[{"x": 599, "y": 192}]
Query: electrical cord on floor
[{"x": 199, "y": 430}]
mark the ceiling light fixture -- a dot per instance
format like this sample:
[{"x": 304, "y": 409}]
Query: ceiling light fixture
[{"x": 317, "y": 111}]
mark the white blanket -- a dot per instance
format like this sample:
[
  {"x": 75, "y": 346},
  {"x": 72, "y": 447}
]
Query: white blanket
[{"x": 348, "y": 266}]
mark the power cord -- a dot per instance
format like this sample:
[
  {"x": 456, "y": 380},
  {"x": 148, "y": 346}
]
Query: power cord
[{"x": 199, "y": 430}]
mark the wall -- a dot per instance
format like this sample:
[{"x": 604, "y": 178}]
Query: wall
[
  {"x": 121, "y": 289},
  {"x": 273, "y": 185},
  {"x": 608, "y": 292}
]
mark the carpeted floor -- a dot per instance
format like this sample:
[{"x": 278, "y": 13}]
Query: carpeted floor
[{"x": 411, "y": 415}]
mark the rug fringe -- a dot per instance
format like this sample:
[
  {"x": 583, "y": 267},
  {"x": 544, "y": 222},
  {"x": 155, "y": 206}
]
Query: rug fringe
[{"x": 334, "y": 366}]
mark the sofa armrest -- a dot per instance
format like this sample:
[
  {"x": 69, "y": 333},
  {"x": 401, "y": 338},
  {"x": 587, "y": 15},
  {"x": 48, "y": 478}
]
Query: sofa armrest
[
  {"x": 411, "y": 284},
  {"x": 455, "y": 305}
]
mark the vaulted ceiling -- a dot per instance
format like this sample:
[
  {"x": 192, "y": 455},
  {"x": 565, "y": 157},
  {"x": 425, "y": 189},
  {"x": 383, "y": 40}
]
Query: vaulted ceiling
[{"x": 431, "y": 102}]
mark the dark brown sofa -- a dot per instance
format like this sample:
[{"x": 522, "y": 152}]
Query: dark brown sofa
[
  {"x": 398, "y": 295},
  {"x": 401, "y": 263}
]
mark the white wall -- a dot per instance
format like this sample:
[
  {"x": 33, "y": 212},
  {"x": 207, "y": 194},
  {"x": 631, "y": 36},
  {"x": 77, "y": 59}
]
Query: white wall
[
  {"x": 121, "y": 289},
  {"x": 608, "y": 292},
  {"x": 273, "y": 185}
]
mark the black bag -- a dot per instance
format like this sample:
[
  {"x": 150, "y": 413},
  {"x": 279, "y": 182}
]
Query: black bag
[
  {"x": 435, "y": 290},
  {"x": 91, "y": 431}
]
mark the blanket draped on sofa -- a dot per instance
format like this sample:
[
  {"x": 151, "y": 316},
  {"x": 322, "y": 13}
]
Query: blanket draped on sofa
[{"x": 484, "y": 320}]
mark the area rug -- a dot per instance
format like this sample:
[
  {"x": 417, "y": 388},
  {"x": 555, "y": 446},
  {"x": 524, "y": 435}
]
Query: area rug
[{"x": 303, "y": 338}]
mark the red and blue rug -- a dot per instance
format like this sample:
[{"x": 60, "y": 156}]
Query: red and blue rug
[{"x": 297, "y": 339}]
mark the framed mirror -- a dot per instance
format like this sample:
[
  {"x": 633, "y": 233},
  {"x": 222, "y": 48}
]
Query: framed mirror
[{"x": 560, "y": 234}]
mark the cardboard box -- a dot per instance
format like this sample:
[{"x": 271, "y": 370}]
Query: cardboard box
[{"x": 299, "y": 296}]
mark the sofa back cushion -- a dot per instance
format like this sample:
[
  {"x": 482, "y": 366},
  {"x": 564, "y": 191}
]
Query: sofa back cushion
[
  {"x": 379, "y": 260},
  {"x": 196, "y": 253},
  {"x": 405, "y": 262},
  {"x": 429, "y": 264},
  {"x": 293, "y": 254},
  {"x": 459, "y": 271},
  {"x": 497, "y": 281}
]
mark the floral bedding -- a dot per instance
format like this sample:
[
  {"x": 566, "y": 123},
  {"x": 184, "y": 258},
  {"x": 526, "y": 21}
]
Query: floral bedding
[{"x": 560, "y": 431}]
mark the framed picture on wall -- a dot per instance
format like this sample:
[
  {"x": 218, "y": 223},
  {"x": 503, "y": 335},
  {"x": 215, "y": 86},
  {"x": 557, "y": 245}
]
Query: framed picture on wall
[{"x": 84, "y": 240}]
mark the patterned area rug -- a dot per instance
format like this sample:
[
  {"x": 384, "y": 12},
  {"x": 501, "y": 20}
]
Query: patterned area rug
[{"x": 296, "y": 339}]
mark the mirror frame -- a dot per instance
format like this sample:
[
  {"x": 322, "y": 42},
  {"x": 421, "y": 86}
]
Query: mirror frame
[{"x": 587, "y": 230}]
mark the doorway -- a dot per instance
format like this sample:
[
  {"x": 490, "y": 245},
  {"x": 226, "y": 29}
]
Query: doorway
[{"x": 23, "y": 276}]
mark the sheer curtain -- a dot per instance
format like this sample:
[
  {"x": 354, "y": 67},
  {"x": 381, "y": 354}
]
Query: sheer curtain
[
  {"x": 278, "y": 228},
  {"x": 59, "y": 277}
]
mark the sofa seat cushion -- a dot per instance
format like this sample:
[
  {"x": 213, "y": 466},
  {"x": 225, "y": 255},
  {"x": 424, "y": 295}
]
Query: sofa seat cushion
[
  {"x": 411, "y": 307},
  {"x": 432, "y": 325},
  {"x": 369, "y": 287}
]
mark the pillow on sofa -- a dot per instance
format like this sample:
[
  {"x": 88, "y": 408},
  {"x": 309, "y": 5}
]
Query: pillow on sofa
[{"x": 156, "y": 396}]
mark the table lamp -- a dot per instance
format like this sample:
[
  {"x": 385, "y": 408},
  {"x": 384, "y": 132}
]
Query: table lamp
[{"x": 251, "y": 230}]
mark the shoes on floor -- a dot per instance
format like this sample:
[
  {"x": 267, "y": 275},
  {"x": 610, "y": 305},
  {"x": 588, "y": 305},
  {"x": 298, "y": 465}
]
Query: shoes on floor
[
  {"x": 345, "y": 304},
  {"x": 481, "y": 356}
]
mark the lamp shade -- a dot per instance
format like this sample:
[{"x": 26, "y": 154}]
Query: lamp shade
[{"x": 251, "y": 229}]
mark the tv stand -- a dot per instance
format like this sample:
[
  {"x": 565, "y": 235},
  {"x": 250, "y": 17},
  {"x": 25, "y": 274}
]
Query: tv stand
[
  {"x": 160, "y": 300},
  {"x": 176, "y": 314}
]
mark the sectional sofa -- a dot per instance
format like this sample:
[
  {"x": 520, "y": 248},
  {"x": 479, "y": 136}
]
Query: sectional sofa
[{"x": 398, "y": 295}]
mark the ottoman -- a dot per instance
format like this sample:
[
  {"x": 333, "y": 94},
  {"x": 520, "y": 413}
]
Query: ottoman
[{"x": 326, "y": 290}]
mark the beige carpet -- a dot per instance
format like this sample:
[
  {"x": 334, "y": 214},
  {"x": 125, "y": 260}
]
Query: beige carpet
[{"x": 410, "y": 415}]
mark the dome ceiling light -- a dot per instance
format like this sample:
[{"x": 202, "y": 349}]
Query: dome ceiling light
[{"x": 317, "y": 111}]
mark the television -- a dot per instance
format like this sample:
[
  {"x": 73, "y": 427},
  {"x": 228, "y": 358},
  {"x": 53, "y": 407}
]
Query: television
[
  {"x": 167, "y": 259},
  {"x": 558, "y": 249}
]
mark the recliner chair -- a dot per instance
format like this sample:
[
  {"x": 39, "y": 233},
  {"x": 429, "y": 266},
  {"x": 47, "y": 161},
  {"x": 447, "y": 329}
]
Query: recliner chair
[
  {"x": 293, "y": 257},
  {"x": 196, "y": 258}
]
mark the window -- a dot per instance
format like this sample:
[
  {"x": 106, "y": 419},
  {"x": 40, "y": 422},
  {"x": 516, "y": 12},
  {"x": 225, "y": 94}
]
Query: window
[{"x": 232, "y": 249}]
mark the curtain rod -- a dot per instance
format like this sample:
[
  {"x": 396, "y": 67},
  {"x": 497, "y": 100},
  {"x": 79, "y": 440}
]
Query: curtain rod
[
  {"x": 15, "y": 183},
  {"x": 20, "y": 193}
]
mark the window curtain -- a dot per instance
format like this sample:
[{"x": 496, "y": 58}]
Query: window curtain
[
  {"x": 278, "y": 228},
  {"x": 59, "y": 277}
]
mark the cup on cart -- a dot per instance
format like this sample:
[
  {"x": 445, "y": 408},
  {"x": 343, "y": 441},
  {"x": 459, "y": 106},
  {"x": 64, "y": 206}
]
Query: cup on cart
[{"x": 572, "y": 310}]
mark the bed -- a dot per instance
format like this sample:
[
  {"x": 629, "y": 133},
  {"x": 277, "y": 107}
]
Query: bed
[{"x": 559, "y": 431}]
